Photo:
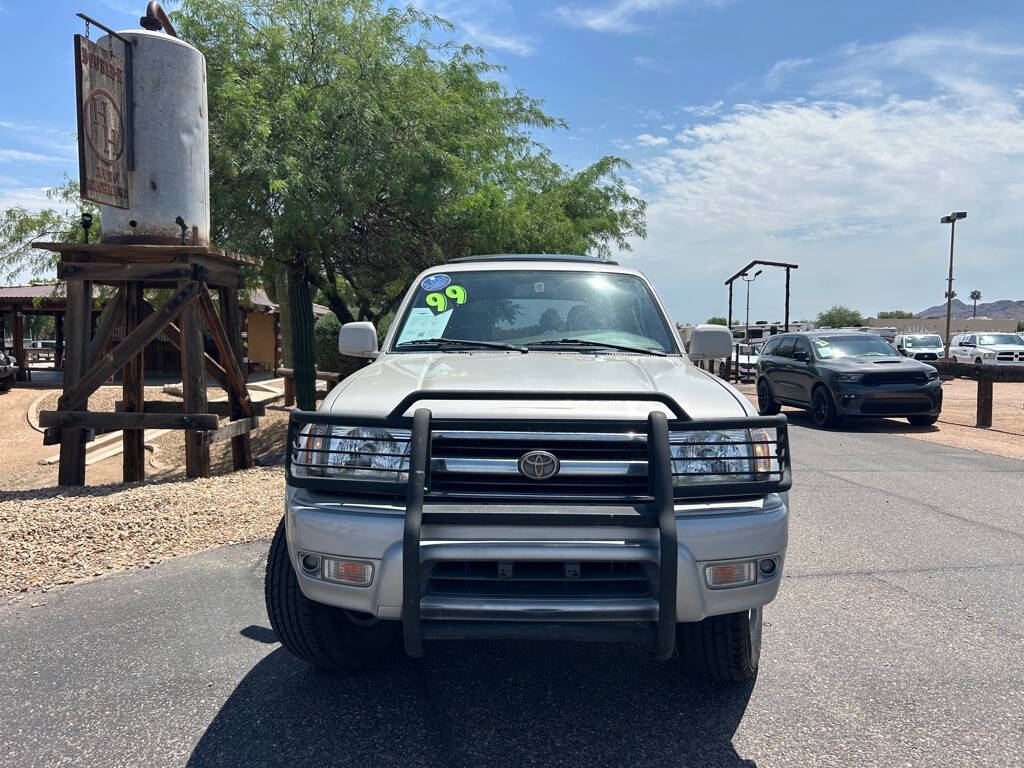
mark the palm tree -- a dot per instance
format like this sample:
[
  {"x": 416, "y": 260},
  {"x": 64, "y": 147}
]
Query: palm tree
[{"x": 975, "y": 297}]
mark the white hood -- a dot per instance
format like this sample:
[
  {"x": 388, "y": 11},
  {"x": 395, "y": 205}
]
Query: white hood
[{"x": 376, "y": 390}]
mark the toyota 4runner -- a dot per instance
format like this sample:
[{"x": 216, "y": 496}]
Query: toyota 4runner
[{"x": 531, "y": 455}]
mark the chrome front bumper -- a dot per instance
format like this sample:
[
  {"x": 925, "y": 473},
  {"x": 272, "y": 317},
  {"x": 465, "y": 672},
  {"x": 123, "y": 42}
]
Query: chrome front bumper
[{"x": 324, "y": 524}]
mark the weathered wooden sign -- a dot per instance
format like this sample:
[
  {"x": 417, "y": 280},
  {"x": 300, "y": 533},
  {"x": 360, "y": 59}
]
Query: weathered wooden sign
[{"x": 102, "y": 124}]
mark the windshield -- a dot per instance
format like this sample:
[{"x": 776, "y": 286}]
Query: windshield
[
  {"x": 930, "y": 341},
  {"x": 862, "y": 345},
  {"x": 524, "y": 307},
  {"x": 988, "y": 339}
]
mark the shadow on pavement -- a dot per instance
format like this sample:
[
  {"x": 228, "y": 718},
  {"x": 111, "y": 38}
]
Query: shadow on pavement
[
  {"x": 477, "y": 703},
  {"x": 891, "y": 426}
]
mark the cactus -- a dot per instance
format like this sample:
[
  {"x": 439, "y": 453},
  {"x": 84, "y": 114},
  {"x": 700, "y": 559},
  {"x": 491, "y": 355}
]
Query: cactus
[{"x": 303, "y": 344}]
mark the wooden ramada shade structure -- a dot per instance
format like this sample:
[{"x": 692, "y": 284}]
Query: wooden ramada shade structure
[{"x": 190, "y": 271}]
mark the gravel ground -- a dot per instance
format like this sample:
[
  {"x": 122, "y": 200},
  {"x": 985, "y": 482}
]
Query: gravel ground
[{"x": 53, "y": 536}]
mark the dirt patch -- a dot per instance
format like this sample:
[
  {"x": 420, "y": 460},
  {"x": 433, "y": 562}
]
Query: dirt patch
[{"x": 55, "y": 536}]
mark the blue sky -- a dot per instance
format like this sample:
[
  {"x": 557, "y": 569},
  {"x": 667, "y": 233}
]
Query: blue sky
[{"x": 830, "y": 134}]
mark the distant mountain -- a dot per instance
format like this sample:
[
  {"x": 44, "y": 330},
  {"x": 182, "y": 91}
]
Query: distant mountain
[{"x": 996, "y": 310}]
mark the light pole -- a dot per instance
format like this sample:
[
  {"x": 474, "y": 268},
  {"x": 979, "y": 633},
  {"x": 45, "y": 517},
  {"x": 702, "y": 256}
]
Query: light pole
[{"x": 951, "y": 220}]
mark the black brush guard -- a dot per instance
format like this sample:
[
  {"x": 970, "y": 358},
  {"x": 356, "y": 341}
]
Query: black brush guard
[{"x": 655, "y": 511}]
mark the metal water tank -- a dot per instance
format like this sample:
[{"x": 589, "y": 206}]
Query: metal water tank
[{"x": 171, "y": 179}]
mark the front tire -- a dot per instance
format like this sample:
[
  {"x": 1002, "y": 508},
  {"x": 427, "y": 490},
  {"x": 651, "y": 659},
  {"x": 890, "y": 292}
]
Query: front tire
[
  {"x": 721, "y": 370},
  {"x": 320, "y": 634},
  {"x": 722, "y": 648},
  {"x": 823, "y": 408},
  {"x": 922, "y": 421},
  {"x": 767, "y": 405}
]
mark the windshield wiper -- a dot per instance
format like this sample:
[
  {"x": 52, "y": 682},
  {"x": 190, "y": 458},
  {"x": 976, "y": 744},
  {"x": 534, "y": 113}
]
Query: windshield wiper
[
  {"x": 589, "y": 343},
  {"x": 440, "y": 342}
]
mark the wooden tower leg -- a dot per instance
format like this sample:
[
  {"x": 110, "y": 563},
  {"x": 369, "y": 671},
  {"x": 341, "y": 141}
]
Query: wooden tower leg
[
  {"x": 133, "y": 392},
  {"x": 78, "y": 325},
  {"x": 193, "y": 384},
  {"x": 241, "y": 449}
]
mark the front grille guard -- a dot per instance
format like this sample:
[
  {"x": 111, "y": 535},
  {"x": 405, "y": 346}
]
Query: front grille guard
[{"x": 659, "y": 512}]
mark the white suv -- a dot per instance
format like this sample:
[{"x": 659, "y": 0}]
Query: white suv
[
  {"x": 531, "y": 455},
  {"x": 987, "y": 348}
]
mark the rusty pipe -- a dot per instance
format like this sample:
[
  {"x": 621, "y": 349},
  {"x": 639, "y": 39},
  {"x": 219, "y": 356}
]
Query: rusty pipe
[{"x": 156, "y": 18}]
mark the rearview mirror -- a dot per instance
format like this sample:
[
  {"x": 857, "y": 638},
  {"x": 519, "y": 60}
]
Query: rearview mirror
[
  {"x": 710, "y": 342},
  {"x": 358, "y": 340}
]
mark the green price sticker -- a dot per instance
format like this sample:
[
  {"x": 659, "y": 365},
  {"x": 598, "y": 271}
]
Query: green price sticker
[{"x": 438, "y": 301}]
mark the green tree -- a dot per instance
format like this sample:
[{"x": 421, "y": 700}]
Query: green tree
[
  {"x": 975, "y": 298},
  {"x": 839, "y": 316},
  {"x": 895, "y": 314},
  {"x": 1020, "y": 326},
  {"x": 20, "y": 227},
  {"x": 350, "y": 149},
  {"x": 717, "y": 320}
]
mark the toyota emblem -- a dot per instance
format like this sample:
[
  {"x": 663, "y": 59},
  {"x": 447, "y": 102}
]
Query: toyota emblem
[{"x": 538, "y": 465}]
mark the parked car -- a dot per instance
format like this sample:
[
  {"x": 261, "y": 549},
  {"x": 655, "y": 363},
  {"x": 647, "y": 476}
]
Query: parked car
[
  {"x": 987, "y": 348},
  {"x": 531, "y": 455},
  {"x": 836, "y": 375},
  {"x": 920, "y": 346},
  {"x": 43, "y": 349},
  {"x": 744, "y": 358},
  {"x": 8, "y": 371}
]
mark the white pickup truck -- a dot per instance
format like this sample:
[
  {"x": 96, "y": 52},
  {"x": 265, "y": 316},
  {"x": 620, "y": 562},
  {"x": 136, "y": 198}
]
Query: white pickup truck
[{"x": 531, "y": 455}]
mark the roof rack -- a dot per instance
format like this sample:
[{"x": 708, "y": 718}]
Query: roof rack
[{"x": 532, "y": 257}]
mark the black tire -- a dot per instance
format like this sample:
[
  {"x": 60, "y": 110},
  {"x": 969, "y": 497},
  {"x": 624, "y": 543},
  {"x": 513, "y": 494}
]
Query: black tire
[
  {"x": 823, "y": 408},
  {"x": 722, "y": 648},
  {"x": 767, "y": 405},
  {"x": 721, "y": 370},
  {"x": 922, "y": 421},
  {"x": 320, "y": 634},
  {"x": 6, "y": 383},
  {"x": 978, "y": 361}
]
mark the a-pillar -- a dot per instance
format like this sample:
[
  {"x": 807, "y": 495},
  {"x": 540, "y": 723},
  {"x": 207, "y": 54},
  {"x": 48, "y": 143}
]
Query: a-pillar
[{"x": 193, "y": 384}]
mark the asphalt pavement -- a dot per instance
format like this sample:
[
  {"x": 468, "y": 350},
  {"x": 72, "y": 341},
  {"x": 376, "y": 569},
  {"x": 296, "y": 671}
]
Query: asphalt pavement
[{"x": 897, "y": 639}]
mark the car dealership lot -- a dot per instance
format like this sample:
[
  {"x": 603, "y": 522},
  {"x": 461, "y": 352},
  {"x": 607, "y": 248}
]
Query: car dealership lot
[{"x": 896, "y": 639}]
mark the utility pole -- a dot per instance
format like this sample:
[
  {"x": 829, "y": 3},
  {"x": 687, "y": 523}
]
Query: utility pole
[
  {"x": 951, "y": 220},
  {"x": 746, "y": 331}
]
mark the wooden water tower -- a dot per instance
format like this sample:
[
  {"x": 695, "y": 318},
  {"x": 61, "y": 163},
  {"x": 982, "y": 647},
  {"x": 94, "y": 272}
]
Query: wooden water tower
[{"x": 143, "y": 154}]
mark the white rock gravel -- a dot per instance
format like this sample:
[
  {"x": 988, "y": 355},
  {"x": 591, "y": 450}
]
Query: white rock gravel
[{"x": 58, "y": 536}]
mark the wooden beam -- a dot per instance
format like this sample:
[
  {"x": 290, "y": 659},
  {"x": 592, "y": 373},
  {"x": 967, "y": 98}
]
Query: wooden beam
[
  {"x": 113, "y": 314},
  {"x": 173, "y": 334},
  {"x": 984, "y": 402},
  {"x": 133, "y": 456},
  {"x": 193, "y": 385},
  {"x": 221, "y": 408},
  {"x": 331, "y": 376},
  {"x": 230, "y": 314},
  {"x": 232, "y": 431},
  {"x": 226, "y": 351},
  {"x": 144, "y": 333},
  {"x": 77, "y": 322},
  {"x": 18, "y": 340},
  {"x": 118, "y": 273},
  {"x": 129, "y": 421}
]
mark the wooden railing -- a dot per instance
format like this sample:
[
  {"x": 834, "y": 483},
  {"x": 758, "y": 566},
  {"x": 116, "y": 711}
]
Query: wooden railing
[
  {"x": 288, "y": 374},
  {"x": 986, "y": 376}
]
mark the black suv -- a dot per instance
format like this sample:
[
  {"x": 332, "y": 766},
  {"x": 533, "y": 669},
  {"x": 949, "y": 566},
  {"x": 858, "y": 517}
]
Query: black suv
[{"x": 835, "y": 374}]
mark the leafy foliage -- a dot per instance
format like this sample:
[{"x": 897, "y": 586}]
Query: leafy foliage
[
  {"x": 717, "y": 320},
  {"x": 839, "y": 316},
  {"x": 895, "y": 314},
  {"x": 20, "y": 227}
]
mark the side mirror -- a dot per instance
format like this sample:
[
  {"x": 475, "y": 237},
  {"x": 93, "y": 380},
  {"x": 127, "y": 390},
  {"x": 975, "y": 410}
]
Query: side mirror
[
  {"x": 801, "y": 355},
  {"x": 358, "y": 340},
  {"x": 710, "y": 342}
]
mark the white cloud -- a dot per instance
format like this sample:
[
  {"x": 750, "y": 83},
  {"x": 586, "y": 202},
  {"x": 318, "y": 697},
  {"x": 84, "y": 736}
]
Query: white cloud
[
  {"x": 620, "y": 15},
  {"x": 488, "y": 39},
  {"x": 8, "y": 155},
  {"x": 704, "y": 110},
  {"x": 648, "y": 140},
  {"x": 490, "y": 24},
  {"x": 851, "y": 188},
  {"x": 32, "y": 198}
]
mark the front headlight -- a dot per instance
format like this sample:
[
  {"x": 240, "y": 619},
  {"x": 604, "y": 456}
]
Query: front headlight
[
  {"x": 987, "y": 355},
  {"x": 367, "y": 453},
  {"x": 733, "y": 455},
  {"x": 931, "y": 375},
  {"x": 849, "y": 378}
]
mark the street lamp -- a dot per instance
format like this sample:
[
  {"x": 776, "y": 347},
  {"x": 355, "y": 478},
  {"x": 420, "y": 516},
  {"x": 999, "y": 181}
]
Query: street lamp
[
  {"x": 746, "y": 331},
  {"x": 951, "y": 220}
]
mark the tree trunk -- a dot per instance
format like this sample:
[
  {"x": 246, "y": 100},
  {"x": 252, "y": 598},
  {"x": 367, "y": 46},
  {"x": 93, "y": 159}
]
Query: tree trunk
[{"x": 303, "y": 353}]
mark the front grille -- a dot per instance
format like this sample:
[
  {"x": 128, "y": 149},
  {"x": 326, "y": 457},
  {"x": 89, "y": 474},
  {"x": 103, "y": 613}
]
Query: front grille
[
  {"x": 926, "y": 356},
  {"x": 1009, "y": 357},
  {"x": 894, "y": 377},
  {"x": 538, "y": 579},
  {"x": 593, "y": 465},
  {"x": 902, "y": 406}
]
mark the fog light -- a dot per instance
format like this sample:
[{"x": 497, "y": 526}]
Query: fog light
[
  {"x": 357, "y": 573},
  {"x": 311, "y": 564},
  {"x": 767, "y": 567},
  {"x": 730, "y": 574}
]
